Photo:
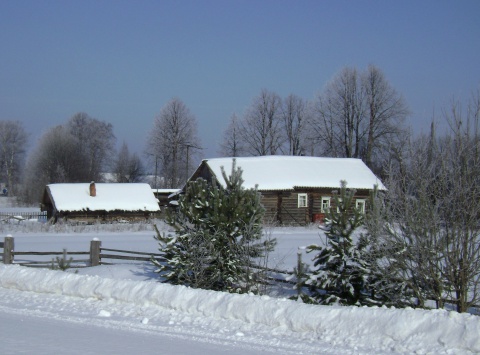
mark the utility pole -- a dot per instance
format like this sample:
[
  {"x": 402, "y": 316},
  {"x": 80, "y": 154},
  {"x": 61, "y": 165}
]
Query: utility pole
[
  {"x": 188, "y": 146},
  {"x": 156, "y": 169}
]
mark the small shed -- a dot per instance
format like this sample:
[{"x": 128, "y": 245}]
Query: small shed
[
  {"x": 166, "y": 198},
  {"x": 164, "y": 195},
  {"x": 104, "y": 202},
  {"x": 296, "y": 190}
]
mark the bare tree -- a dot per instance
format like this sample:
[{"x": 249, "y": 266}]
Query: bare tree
[
  {"x": 55, "y": 159},
  {"x": 261, "y": 126},
  {"x": 294, "y": 116},
  {"x": 128, "y": 167},
  {"x": 459, "y": 170},
  {"x": 359, "y": 116},
  {"x": 431, "y": 243},
  {"x": 13, "y": 140},
  {"x": 232, "y": 145},
  {"x": 412, "y": 247},
  {"x": 74, "y": 152},
  {"x": 96, "y": 143},
  {"x": 386, "y": 112},
  {"x": 270, "y": 126},
  {"x": 174, "y": 142},
  {"x": 339, "y": 120}
]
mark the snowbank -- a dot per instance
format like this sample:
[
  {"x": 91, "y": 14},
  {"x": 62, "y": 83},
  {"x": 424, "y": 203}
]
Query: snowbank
[{"x": 405, "y": 330}]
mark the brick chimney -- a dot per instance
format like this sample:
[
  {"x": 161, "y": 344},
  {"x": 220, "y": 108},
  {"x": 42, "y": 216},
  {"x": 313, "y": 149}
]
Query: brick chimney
[{"x": 93, "y": 190}]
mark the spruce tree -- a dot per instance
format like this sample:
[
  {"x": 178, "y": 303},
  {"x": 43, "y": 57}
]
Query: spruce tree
[
  {"x": 217, "y": 236},
  {"x": 341, "y": 272},
  {"x": 301, "y": 272}
]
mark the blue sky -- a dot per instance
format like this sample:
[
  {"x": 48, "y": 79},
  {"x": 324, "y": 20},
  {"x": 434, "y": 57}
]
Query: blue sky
[{"x": 121, "y": 61}]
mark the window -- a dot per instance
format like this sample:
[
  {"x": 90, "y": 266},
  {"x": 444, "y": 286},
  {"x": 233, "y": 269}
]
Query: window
[
  {"x": 302, "y": 200},
  {"x": 325, "y": 204},
  {"x": 360, "y": 204}
]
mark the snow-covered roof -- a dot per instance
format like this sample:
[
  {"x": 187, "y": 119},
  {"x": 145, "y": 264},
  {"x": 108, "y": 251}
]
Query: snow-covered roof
[
  {"x": 277, "y": 172},
  {"x": 109, "y": 197}
]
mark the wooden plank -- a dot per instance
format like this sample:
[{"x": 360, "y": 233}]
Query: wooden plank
[
  {"x": 129, "y": 252},
  {"x": 49, "y": 266},
  {"x": 50, "y": 253},
  {"x": 48, "y": 262},
  {"x": 126, "y": 257}
]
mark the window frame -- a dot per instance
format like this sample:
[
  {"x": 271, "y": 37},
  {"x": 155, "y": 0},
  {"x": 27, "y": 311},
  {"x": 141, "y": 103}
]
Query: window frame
[
  {"x": 325, "y": 198},
  {"x": 361, "y": 202},
  {"x": 302, "y": 197}
]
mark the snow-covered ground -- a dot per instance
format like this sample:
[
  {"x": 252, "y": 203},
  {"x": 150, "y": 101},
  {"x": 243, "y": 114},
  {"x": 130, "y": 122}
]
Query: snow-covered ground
[
  {"x": 46, "y": 312},
  {"x": 123, "y": 309}
]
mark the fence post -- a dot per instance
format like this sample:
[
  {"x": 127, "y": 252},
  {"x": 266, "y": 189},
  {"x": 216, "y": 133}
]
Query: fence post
[
  {"x": 95, "y": 245},
  {"x": 8, "y": 250}
]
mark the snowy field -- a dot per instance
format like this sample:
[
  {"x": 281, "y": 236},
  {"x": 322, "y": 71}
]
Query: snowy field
[{"x": 123, "y": 309}]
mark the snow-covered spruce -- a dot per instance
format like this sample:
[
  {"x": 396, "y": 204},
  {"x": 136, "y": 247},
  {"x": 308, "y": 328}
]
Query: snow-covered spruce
[
  {"x": 341, "y": 274},
  {"x": 217, "y": 237}
]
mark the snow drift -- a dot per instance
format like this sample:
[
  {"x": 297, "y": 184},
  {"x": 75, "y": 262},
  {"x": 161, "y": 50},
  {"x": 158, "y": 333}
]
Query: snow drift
[{"x": 400, "y": 330}]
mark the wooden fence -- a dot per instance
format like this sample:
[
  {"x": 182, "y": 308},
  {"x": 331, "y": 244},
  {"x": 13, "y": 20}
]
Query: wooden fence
[{"x": 96, "y": 255}]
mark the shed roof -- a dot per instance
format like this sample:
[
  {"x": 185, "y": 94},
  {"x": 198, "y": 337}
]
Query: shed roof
[
  {"x": 109, "y": 197},
  {"x": 276, "y": 172}
]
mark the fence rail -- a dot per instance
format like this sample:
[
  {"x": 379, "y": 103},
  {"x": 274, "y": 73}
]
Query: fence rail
[
  {"x": 50, "y": 253},
  {"x": 140, "y": 256}
]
